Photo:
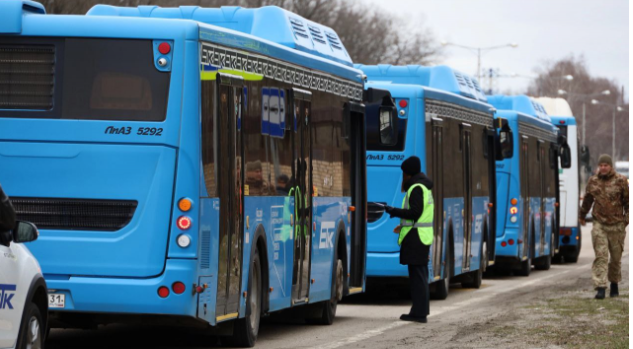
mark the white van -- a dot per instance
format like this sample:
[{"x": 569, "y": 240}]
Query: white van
[{"x": 23, "y": 294}]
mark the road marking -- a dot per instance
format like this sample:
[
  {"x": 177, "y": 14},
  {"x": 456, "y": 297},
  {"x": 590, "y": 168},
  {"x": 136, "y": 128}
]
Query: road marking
[{"x": 376, "y": 332}]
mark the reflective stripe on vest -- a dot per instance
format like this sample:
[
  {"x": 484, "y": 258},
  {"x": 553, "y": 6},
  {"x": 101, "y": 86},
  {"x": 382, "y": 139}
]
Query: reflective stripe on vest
[{"x": 424, "y": 224}]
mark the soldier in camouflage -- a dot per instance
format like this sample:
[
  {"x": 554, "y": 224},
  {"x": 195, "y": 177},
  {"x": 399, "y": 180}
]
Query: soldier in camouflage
[{"x": 608, "y": 192}]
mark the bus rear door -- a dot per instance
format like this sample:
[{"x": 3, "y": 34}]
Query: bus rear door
[{"x": 231, "y": 192}]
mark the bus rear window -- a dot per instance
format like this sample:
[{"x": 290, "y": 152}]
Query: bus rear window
[
  {"x": 86, "y": 79},
  {"x": 113, "y": 80}
]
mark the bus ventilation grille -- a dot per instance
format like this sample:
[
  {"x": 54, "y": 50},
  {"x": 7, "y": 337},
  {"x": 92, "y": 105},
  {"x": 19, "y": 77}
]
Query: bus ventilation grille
[
  {"x": 27, "y": 77},
  {"x": 75, "y": 214},
  {"x": 374, "y": 212}
]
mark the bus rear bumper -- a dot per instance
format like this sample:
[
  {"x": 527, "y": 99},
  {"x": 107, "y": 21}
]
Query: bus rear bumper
[
  {"x": 385, "y": 265},
  {"x": 569, "y": 237},
  {"x": 128, "y": 295}
]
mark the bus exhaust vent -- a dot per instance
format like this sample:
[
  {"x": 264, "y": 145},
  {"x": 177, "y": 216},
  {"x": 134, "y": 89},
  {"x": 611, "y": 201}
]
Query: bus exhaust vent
[
  {"x": 75, "y": 214},
  {"x": 27, "y": 77},
  {"x": 374, "y": 212}
]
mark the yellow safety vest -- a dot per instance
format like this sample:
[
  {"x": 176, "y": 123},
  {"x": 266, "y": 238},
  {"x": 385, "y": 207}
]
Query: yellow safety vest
[{"x": 424, "y": 224}]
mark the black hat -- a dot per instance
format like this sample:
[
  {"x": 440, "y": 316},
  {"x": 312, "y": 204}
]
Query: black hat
[{"x": 411, "y": 166}]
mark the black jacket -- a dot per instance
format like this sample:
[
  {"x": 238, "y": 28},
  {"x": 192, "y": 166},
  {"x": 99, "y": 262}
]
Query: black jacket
[
  {"x": 7, "y": 218},
  {"x": 412, "y": 249}
]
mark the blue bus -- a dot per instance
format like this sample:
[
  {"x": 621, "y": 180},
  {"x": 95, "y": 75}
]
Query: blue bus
[
  {"x": 191, "y": 164},
  {"x": 444, "y": 119},
  {"x": 527, "y": 187}
]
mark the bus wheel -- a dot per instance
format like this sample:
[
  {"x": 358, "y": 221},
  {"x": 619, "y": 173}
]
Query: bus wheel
[
  {"x": 323, "y": 313},
  {"x": 478, "y": 274},
  {"x": 246, "y": 329}
]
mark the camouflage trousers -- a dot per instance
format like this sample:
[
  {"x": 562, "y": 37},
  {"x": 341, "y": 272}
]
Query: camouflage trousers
[{"x": 607, "y": 240}]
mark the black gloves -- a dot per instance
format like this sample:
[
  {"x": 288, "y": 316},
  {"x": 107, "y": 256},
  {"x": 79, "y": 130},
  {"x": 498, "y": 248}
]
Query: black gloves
[{"x": 389, "y": 209}]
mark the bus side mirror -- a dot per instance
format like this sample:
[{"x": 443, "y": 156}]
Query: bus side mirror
[
  {"x": 506, "y": 142},
  {"x": 564, "y": 152},
  {"x": 25, "y": 232},
  {"x": 388, "y": 126},
  {"x": 565, "y": 156}
]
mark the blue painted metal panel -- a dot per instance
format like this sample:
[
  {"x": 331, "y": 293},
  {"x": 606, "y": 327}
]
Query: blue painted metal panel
[
  {"x": 479, "y": 221},
  {"x": 130, "y": 295},
  {"x": 269, "y": 23},
  {"x": 330, "y": 214},
  {"x": 454, "y": 208},
  {"x": 573, "y": 238},
  {"x": 143, "y": 173},
  {"x": 563, "y": 120},
  {"x": 13, "y": 11},
  {"x": 440, "y": 78},
  {"x": 209, "y": 214},
  {"x": 189, "y": 155}
]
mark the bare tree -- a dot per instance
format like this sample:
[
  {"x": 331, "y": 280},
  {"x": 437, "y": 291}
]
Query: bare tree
[
  {"x": 580, "y": 91},
  {"x": 369, "y": 35}
]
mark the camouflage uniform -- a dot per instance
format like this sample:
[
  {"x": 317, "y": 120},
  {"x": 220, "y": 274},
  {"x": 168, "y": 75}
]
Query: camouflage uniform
[{"x": 609, "y": 195}]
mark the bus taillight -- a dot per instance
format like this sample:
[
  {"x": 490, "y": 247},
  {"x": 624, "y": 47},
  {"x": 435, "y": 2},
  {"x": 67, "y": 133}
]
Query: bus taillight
[
  {"x": 164, "y": 48},
  {"x": 184, "y": 223},
  {"x": 178, "y": 287},
  {"x": 163, "y": 292}
]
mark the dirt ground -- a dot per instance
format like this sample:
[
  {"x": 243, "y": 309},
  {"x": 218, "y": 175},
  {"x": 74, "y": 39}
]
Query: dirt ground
[{"x": 566, "y": 316}]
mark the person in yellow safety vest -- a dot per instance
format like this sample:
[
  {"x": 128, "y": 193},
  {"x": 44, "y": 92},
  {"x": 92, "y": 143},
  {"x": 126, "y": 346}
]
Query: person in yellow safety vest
[{"x": 415, "y": 234}]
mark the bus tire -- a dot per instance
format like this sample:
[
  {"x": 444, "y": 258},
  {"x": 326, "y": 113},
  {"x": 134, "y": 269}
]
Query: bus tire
[
  {"x": 477, "y": 275},
  {"x": 245, "y": 330},
  {"x": 325, "y": 311}
]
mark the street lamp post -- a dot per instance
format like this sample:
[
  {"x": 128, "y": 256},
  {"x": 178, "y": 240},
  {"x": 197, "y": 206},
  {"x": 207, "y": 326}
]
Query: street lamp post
[
  {"x": 616, "y": 108},
  {"x": 477, "y": 51}
]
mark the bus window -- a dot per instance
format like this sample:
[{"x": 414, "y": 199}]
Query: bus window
[
  {"x": 108, "y": 79},
  {"x": 376, "y": 139}
]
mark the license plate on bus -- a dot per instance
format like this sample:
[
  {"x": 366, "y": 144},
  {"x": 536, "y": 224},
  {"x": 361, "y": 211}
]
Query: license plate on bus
[{"x": 56, "y": 300}]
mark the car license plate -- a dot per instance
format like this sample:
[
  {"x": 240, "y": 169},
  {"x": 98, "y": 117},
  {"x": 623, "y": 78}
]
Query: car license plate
[{"x": 56, "y": 300}]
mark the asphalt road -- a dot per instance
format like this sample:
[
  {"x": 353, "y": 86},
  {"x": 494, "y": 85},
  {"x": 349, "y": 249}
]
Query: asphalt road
[{"x": 364, "y": 321}]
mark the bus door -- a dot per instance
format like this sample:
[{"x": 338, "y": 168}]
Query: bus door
[
  {"x": 355, "y": 125},
  {"x": 490, "y": 135},
  {"x": 303, "y": 196},
  {"x": 525, "y": 196},
  {"x": 543, "y": 165},
  {"x": 230, "y": 184},
  {"x": 436, "y": 172},
  {"x": 466, "y": 141}
]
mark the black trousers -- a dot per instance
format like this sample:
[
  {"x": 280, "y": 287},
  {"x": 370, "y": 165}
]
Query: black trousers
[{"x": 419, "y": 281}]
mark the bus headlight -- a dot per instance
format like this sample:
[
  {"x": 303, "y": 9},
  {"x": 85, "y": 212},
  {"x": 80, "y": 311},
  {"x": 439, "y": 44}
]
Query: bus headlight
[
  {"x": 183, "y": 241},
  {"x": 513, "y": 219}
]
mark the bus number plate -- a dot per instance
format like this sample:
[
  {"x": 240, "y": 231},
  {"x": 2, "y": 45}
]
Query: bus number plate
[{"x": 56, "y": 300}]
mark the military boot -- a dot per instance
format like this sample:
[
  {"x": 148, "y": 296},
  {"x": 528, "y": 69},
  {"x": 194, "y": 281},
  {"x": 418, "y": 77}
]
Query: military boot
[
  {"x": 601, "y": 292},
  {"x": 614, "y": 290}
]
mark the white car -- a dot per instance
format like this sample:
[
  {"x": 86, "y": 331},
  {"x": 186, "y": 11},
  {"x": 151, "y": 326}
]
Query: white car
[{"x": 23, "y": 294}]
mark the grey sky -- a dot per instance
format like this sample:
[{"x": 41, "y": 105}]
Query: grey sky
[{"x": 544, "y": 30}]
